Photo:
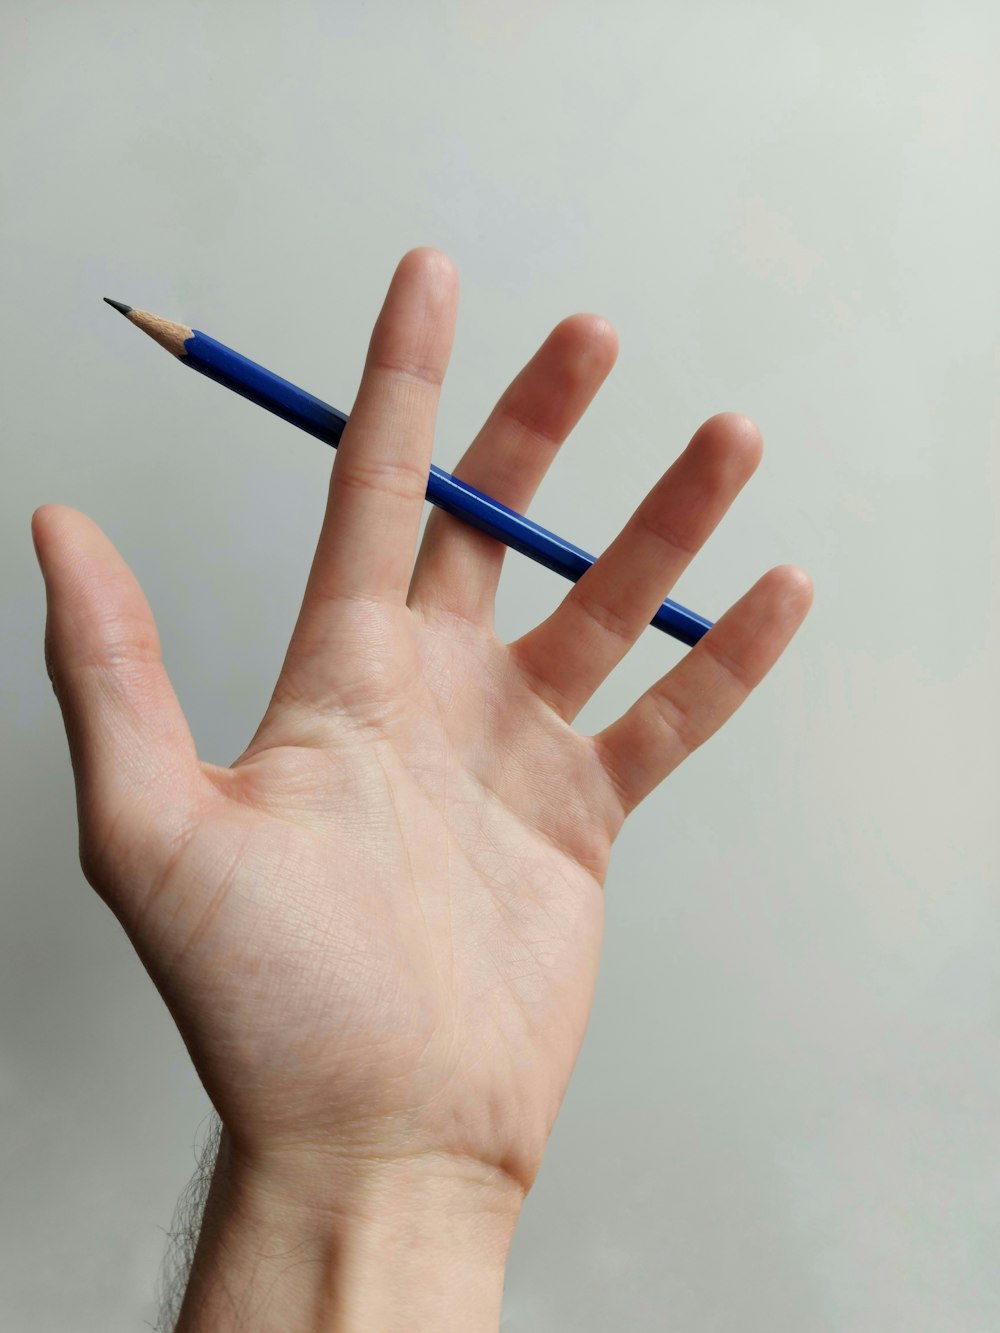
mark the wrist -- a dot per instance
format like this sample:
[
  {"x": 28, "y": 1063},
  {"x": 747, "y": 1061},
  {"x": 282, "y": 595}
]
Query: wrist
[{"x": 322, "y": 1242}]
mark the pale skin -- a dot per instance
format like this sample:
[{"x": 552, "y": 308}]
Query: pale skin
[{"x": 378, "y": 930}]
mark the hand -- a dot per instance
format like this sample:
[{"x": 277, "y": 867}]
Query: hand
[{"x": 378, "y": 930}]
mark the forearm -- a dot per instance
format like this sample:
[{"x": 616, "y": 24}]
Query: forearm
[{"x": 327, "y": 1246}]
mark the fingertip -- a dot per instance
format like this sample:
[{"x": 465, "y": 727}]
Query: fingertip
[
  {"x": 797, "y": 586},
  {"x": 585, "y": 345},
  {"x": 743, "y": 432},
  {"x": 62, "y": 526},
  {"x": 37, "y": 523},
  {"x": 427, "y": 254},
  {"x": 784, "y": 593},
  {"x": 46, "y": 520},
  {"x": 52, "y": 513},
  {"x": 431, "y": 266},
  {"x": 595, "y": 328},
  {"x": 787, "y": 590},
  {"x": 601, "y": 336},
  {"x": 40, "y": 518},
  {"x": 731, "y": 442},
  {"x": 423, "y": 292},
  {"x": 551, "y": 393}
]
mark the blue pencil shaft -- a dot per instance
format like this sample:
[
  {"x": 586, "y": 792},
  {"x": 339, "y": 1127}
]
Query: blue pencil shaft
[{"x": 317, "y": 418}]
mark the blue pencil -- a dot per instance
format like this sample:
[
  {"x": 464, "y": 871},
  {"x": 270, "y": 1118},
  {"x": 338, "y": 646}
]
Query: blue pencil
[{"x": 229, "y": 368}]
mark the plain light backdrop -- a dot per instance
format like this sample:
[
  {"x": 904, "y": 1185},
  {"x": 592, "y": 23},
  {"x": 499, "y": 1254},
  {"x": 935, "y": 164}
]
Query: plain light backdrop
[{"x": 786, "y": 1115}]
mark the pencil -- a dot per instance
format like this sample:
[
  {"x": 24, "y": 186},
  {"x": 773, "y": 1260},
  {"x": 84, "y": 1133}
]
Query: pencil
[{"x": 228, "y": 368}]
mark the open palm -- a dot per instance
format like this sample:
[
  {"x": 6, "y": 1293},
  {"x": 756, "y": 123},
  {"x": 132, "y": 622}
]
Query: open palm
[{"x": 380, "y": 927}]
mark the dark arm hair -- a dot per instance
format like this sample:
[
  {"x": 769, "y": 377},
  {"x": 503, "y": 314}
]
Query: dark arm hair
[{"x": 182, "y": 1238}]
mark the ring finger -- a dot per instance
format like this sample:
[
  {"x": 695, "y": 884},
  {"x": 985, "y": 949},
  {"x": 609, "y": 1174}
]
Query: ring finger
[{"x": 570, "y": 653}]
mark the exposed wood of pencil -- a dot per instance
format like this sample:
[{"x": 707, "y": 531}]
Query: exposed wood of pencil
[{"x": 164, "y": 331}]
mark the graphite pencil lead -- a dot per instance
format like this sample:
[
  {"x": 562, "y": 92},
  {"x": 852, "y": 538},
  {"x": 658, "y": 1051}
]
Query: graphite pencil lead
[{"x": 124, "y": 309}]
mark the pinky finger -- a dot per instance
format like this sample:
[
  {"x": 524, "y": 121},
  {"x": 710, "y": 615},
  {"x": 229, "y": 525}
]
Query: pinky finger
[{"x": 692, "y": 701}]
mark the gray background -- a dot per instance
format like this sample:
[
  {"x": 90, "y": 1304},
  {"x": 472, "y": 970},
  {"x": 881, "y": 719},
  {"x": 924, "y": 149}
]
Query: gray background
[{"x": 786, "y": 1115}]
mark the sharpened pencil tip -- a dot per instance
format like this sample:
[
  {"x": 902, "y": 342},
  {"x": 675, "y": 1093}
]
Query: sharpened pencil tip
[{"x": 124, "y": 309}]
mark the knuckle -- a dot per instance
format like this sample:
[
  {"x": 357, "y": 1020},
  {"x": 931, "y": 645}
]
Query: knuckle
[
  {"x": 385, "y": 477},
  {"x": 410, "y": 370},
  {"x": 730, "y": 667},
  {"x": 676, "y": 721},
  {"x": 656, "y": 525},
  {"x": 605, "y": 617}
]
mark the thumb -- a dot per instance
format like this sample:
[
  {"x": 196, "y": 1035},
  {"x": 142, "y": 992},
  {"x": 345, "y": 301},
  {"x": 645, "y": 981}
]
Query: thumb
[{"x": 134, "y": 759}]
